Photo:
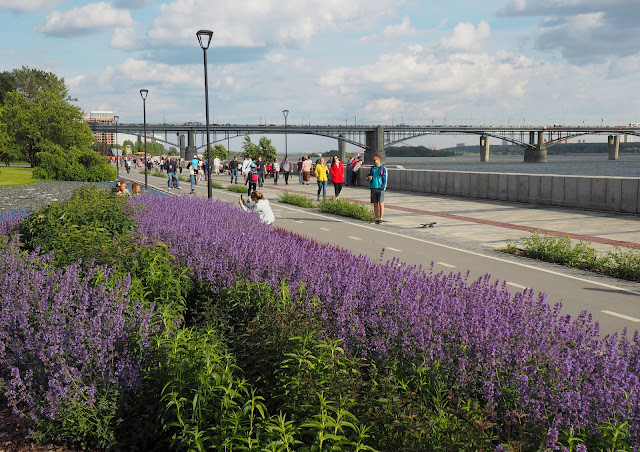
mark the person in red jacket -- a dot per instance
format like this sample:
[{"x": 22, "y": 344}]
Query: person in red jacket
[{"x": 337, "y": 175}]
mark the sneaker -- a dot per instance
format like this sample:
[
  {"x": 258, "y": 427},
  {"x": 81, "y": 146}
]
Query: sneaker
[
  {"x": 318, "y": 199},
  {"x": 178, "y": 188},
  {"x": 377, "y": 221},
  {"x": 193, "y": 192}
]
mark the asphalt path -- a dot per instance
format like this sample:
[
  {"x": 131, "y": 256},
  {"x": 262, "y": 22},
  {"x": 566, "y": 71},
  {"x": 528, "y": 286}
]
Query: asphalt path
[{"x": 614, "y": 304}]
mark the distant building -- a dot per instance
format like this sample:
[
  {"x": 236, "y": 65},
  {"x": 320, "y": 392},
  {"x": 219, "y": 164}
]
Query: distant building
[
  {"x": 96, "y": 117},
  {"x": 432, "y": 148},
  {"x": 461, "y": 145}
]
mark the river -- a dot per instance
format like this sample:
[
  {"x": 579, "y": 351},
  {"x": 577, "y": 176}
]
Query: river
[{"x": 577, "y": 165}]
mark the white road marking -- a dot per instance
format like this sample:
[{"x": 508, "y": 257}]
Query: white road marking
[
  {"x": 622, "y": 316},
  {"x": 474, "y": 253},
  {"x": 446, "y": 265},
  {"x": 393, "y": 249},
  {"x": 298, "y": 221},
  {"x": 517, "y": 286},
  {"x": 325, "y": 229},
  {"x": 354, "y": 238}
]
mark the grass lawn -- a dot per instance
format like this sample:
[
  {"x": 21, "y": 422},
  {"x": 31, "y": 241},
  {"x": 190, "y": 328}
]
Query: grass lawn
[{"x": 15, "y": 175}]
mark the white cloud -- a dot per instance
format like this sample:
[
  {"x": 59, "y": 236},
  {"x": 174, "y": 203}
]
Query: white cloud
[
  {"x": 411, "y": 74},
  {"x": 583, "y": 31},
  {"x": 393, "y": 31},
  {"x": 275, "y": 58},
  {"x": 28, "y": 5},
  {"x": 260, "y": 23},
  {"x": 465, "y": 36},
  {"x": 85, "y": 20}
]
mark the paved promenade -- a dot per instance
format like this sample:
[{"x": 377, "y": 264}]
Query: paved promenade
[{"x": 486, "y": 223}]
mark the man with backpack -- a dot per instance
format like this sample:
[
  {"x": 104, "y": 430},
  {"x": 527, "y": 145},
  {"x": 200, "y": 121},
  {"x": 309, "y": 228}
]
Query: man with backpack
[{"x": 377, "y": 184}]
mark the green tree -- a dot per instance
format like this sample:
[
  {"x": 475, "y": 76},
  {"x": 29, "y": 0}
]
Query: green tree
[
  {"x": 31, "y": 82},
  {"x": 268, "y": 151},
  {"x": 219, "y": 151},
  {"x": 35, "y": 123},
  {"x": 7, "y": 154},
  {"x": 264, "y": 149},
  {"x": 249, "y": 148}
]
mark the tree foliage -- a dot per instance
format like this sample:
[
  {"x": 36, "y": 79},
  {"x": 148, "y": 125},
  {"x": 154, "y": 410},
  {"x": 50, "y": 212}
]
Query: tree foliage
[
  {"x": 35, "y": 123},
  {"x": 264, "y": 149},
  {"x": 219, "y": 151},
  {"x": 31, "y": 82}
]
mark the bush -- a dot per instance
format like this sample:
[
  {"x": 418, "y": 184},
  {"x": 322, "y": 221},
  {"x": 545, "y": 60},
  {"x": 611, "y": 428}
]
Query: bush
[
  {"x": 236, "y": 188},
  {"x": 623, "y": 264},
  {"x": 84, "y": 165},
  {"x": 348, "y": 209},
  {"x": 296, "y": 199},
  {"x": 91, "y": 210}
]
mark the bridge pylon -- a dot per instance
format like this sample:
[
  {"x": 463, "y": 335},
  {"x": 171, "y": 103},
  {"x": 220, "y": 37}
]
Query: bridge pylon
[{"x": 536, "y": 153}]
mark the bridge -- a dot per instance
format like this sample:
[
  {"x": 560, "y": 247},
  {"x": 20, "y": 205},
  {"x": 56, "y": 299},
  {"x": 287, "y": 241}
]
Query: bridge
[{"x": 373, "y": 138}]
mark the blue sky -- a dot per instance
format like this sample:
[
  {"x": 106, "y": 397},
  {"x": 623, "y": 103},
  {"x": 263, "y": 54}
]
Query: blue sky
[{"x": 331, "y": 61}]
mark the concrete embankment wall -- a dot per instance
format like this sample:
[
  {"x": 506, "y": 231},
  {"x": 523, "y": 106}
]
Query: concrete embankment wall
[{"x": 616, "y": 194}]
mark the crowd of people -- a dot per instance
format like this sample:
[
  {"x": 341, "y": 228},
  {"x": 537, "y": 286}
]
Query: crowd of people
[{"x": 255, "y": 173}]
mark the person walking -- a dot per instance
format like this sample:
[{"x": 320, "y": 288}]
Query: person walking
[
  {"x": 377, "y": 184},
  {"x": 261, "y": 205},
  {"x": 275, "y": 170},
  {"x": 337, "y": 176},
  {"x": 349, "y": 175},
  {"x": 246, "y": 165},
  {"x": 307, "y": 165},
  {"x": 233, "y": 168},
  {"x": 251, "y": 179},
  {"x": 286, "y": 169},
  {"x": 216, "y": 165},
  {"x": 321, "y": 177},
  {"x": 260, "y": 167},
  {"x": 299, "y": 168},
  {"x": 357, "y": 163},
  {"x": 172, "y": 167},
  {"x": 192, "y": 176}
]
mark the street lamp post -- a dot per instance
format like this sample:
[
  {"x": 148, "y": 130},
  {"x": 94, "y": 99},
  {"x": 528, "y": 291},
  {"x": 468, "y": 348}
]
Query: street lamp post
[
  {"x": 204, "y": 45},
  {"x": 143, "y": 94},
  {"x": 285, "y": 113},
  {"x": 115, "y": 119}
]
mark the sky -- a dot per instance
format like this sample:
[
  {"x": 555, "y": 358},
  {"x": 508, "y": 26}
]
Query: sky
[{"x": 494, "y": 62}]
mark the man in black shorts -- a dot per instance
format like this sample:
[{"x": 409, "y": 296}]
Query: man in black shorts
[{"x": 377, "y": 184}]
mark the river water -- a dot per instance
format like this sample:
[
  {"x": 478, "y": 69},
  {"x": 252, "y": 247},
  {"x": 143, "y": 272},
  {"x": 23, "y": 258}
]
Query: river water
[{"x": 577, "y": 165}]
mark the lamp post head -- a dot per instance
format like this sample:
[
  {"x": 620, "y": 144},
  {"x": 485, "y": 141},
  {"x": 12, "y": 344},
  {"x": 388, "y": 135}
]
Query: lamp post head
[
  {"x": 285, "y": 113},
  {"x": 207, "y": 34},
  {"x": 115, "y": 119},
  {"x": 143, "y": 93}
]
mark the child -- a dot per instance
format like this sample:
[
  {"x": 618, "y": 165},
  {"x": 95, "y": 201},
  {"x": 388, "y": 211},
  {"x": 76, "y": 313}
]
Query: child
[{"x": 251, "y": 179}]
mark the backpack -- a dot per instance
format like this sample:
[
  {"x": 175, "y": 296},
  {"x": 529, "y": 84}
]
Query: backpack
[{"x": 254, "y": 177}]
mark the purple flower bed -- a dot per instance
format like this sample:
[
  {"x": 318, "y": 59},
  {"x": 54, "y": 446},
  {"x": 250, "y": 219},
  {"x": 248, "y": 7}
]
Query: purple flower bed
[
  {"x": 65, "y": 334},
  {"x": 516, "y": 351}
]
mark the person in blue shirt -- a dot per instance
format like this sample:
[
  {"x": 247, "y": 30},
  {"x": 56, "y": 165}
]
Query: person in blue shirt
[{"x": 377, "y": 184}]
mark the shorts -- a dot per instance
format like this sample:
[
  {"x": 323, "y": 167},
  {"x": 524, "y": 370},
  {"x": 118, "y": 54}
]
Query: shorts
[{"x": 377, "y": 195}]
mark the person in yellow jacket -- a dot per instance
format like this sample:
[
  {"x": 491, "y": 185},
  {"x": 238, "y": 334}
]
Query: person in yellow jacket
[{"x": 321, "y": 177}]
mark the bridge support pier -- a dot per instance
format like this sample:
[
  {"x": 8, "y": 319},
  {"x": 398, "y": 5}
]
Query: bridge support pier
[
  {"x": 375, "y": 145},
  {"x": 341, "y": 148},
  {"x": 183, "y": 150},
  {"x": 614, "y": 146},
  {"x": 537, "y": 153},
  {"x": 484, "y": 148},
  {"x": 191, "y": 150}
]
